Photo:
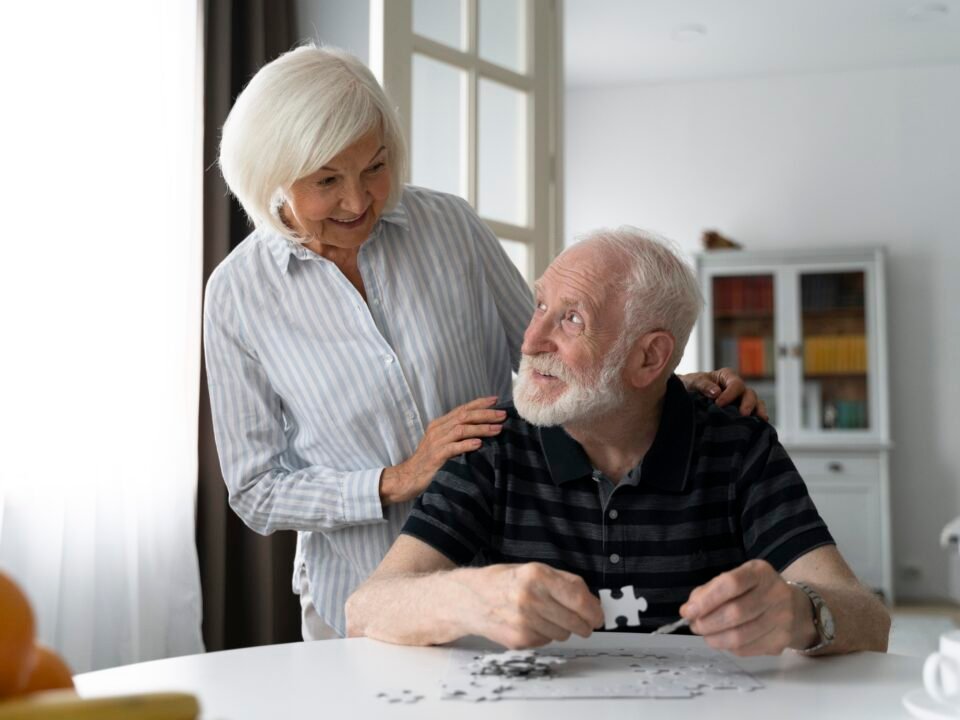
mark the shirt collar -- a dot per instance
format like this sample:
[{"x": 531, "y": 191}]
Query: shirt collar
[
  {"x": 666, "y": 463},
  {"x": 282, "y": 249}
]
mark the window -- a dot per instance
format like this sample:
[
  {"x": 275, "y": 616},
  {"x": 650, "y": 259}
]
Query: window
[{"x": 477, "y": 84}]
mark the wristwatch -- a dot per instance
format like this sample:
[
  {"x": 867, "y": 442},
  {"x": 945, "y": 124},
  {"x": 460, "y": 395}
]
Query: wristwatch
[{"x": 822, "y": 617}]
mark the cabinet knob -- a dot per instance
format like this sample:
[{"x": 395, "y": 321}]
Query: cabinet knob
[{"x": 835, "y": 467}]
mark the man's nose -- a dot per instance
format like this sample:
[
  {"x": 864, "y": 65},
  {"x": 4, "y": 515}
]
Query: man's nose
[{"x": 536, "y": 338}]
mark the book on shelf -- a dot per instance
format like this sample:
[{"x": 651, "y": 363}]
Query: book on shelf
[
  {"x": 752, "y": 356},
  {"x": 831, "y": 291},
  {"x": 743, "y": 295},
  {"x": 835, "y": 354}
]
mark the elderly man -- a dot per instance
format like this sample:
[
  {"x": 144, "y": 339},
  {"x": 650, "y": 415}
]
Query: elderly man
[{"x": 608, "y": 473}]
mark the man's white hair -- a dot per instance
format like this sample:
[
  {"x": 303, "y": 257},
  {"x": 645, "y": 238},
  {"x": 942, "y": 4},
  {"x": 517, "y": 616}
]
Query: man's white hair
[
  {"x": 297, "y": 113},
  {"x": 661, "y": 289}
]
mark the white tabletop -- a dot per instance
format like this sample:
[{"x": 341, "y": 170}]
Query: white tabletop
[{"x": 340, "y": 679}]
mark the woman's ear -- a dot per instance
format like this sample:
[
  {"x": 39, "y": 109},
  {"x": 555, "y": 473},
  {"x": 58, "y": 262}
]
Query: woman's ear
[{"x": 648, "y": 358}]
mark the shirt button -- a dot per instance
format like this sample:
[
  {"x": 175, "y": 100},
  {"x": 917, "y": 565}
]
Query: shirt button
[
  {"x": 388, "y": 359},
  {"x": 375, "y": 301},
  {"x": 411, "y": 416},
  {"x": 596, "y": 475},
  {"x": 613, "y": 514},
  {"x": 614, "y": 559}
]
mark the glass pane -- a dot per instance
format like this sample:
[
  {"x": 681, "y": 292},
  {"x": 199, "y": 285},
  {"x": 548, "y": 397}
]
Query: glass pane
[
  {"x": 744, "y": 331},
  {"x": 834, "y": 351},
  {"x": 520, "y": 256},
  {"x": 502, "y": 153},
  {"x": 503, "y": 33},
  {"x": 438, "y": 137},
  {"x": 440, "y": 20}
]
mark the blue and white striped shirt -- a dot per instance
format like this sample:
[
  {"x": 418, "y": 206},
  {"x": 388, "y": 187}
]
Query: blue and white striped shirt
[{"x": 315, "y": 392}]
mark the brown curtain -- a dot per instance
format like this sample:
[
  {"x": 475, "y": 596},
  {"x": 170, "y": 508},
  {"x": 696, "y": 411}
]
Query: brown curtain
[{"x": 245, "y": 577}]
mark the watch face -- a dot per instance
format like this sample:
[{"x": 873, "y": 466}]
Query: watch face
[{"x": 826, "y": 622}]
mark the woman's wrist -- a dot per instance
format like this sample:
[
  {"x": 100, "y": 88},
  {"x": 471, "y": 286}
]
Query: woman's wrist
[{"x": 392, "y": 484}]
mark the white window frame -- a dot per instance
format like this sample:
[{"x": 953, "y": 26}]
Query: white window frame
[{"x": 392, "y": 47}]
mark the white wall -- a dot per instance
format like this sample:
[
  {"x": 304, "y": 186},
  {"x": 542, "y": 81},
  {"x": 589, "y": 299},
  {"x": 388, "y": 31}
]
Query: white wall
[
  {"x": 869, "y": 157},
  {"x": 345, "y": 25}
]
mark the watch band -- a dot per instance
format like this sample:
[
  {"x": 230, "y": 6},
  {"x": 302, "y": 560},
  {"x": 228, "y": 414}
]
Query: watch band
[{"x": 822, "y": 617}]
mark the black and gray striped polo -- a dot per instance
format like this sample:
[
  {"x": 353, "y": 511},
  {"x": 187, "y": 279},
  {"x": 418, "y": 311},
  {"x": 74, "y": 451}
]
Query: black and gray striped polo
[{"x": 714, "y": 490}]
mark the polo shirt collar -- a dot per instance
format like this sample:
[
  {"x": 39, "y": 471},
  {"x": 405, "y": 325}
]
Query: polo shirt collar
[
  {"x": 667, "y": 462},
  {"x": 282, "y": 249}
]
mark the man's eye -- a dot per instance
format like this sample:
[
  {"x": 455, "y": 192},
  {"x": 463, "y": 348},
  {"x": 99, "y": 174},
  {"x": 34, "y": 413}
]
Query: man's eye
[
  {"x": 575, "y": 319},
  {"x": 542, "y": 307}
]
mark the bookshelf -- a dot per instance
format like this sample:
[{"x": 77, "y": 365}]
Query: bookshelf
[{"x": 807, "y": 330}]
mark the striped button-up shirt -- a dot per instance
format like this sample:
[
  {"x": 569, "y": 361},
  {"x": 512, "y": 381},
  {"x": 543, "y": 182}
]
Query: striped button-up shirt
[{"x": 314, "y": 392}]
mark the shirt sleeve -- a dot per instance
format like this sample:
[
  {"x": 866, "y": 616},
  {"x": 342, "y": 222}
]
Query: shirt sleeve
[
  {"x": 455, "y": 514},
  {"x": 249, "y": 430},
  {"x": 510, "y": 291},
  {"x": 778, "y": 519}
]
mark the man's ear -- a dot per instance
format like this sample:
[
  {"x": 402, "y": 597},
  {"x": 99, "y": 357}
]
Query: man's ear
[{"x": 648, "y": 358}]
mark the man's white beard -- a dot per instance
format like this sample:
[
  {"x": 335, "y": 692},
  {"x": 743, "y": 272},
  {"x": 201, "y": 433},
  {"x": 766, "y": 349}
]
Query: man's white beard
[{"x": 580, "y": 400}]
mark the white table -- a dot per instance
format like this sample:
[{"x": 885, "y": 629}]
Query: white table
[{"x": 340, "y": 678}]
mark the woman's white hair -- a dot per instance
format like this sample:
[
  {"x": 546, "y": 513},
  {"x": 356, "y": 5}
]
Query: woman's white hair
[
  {"x": 661, "y": 289},
  {"x": 297, "y": 113}
]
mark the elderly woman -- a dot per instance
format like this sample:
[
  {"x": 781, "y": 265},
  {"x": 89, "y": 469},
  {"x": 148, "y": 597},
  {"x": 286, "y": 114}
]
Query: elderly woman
[{"x": 363, "y": 332}]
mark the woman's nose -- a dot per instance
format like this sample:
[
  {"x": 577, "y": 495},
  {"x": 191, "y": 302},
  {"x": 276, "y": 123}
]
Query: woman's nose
[{"x": 354, "y": 198}]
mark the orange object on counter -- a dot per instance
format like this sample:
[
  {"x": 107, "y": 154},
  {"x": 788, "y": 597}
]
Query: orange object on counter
[
  {"x": 50, "y": 672},
  {"x": 17, "y": 651}
]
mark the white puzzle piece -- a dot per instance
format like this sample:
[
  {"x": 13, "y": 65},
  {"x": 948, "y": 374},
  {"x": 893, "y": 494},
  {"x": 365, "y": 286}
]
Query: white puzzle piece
[
  {"x": 628, "y": 606},
  {"x": 568, "y": 673}
]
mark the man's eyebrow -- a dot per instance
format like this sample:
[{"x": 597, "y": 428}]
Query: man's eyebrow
[
  {"x": 579, "y": 303},
  {"x": 379, "y": 150}
]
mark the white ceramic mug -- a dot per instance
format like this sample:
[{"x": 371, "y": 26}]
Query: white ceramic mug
[{"x": 941, "y": 671}]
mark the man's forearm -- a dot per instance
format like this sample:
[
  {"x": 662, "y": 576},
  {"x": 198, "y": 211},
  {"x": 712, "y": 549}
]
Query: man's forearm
[
  {"x": 860, "y": 618},
  {"x": 411, "y": 609}
]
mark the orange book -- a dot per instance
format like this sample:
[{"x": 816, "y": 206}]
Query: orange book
[{"x": 751, "y": 356}]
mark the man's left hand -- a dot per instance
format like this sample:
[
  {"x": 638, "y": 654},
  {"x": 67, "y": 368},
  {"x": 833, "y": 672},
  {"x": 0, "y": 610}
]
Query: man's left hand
[
  {"x": 751, "y": 610},
  {"x": 725, "y": 386}
]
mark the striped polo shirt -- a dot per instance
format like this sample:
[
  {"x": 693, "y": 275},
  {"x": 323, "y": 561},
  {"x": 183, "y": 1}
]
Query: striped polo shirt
[{"x": 714, "y": 490}]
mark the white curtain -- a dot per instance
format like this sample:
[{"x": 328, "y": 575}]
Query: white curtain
[{"x": 100, "y": 287}]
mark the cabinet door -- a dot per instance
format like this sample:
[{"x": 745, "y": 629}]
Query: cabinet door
[
  {"x": 744, "y": 331},
  {"x": 835, "y": 382},
  {"x": 850, "y": 504}
]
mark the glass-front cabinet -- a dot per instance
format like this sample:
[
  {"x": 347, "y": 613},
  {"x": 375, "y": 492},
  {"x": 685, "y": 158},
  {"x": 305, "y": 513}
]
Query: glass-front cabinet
[{"x": 806, "y": 330}]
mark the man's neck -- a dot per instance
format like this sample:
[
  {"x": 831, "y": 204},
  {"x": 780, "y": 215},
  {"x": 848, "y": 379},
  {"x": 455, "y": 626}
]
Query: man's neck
[{"x": 618, "y": 441}]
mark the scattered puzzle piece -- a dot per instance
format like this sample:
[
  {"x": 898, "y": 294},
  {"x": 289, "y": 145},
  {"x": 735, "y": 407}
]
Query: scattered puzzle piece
[
  {"x": 580, "y": 673},
  {"x": 399, "y": 696},
  {"x": 628, "y": 606}
]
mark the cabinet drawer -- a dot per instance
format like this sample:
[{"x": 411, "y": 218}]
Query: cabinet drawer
[{"x": 839, "y": 465}]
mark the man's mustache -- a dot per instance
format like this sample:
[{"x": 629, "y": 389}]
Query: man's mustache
[{"x": 549, "y": 364}]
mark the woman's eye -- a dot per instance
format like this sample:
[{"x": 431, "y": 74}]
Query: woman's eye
[
  {"x": 327, "y": 182},
  {"x": 376, "y": 168}
]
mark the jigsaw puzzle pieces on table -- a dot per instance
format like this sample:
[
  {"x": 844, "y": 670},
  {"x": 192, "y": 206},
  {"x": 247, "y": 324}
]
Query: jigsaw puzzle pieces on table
[{"x": 628, "y": 607}]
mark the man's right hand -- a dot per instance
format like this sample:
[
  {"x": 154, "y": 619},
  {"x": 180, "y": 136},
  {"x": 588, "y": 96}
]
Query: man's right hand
[
  {"x": 529, "y": 605},
  {"x": 457, "y": 432}
]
